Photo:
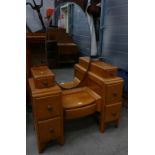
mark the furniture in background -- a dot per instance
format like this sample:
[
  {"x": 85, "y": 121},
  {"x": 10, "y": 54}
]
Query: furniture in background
[
  {"x": 65, "y": 52},
  {"x": 98, "y": 93},
  {"x": 35, "y": 43},
  {"x": 52, "y": 54},
  {"x": 35, "y": 55}
]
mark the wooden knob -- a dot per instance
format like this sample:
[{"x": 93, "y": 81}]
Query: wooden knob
[
  {"x": 111, "y": 74},
  {"x": 114, "y": 114},
  {"x": 45, "y": 83},
  {"x": 114, "y": 94},
  {"x": 49, "y": 108},
  {"x": 51, "y": 130}
]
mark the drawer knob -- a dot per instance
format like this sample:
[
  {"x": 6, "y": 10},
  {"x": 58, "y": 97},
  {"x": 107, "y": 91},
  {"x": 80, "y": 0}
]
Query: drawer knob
[
  {"x": 111, "y": 74},
  {"x": 45, "y": 83},
  {"x": 114, "y": 114},
  {"x": 49, "y": 108},
  {"x": 51, "y": 130},
  {"x": 114, "y": 94}
]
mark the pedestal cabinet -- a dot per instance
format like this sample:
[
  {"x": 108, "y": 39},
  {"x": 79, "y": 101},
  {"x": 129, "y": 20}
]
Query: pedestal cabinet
[
  {"x": 102, "y": 78},
  {"x": 47, "y": 114},
  {"x": 113, "y": 100}
]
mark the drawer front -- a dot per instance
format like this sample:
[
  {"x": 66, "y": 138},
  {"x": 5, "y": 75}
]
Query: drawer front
[
  {"x": 80, "y": 112},
  {"x": 112, "y": 112},
  {"x": 49, "y": 129},
  {"x": 103, "y": 71},
  {"x": 44, "y": 82},
  {"x": 110, "y": 73},
  {"x": 47, "y": 107},
  {"x": 114, "y": 93},
  {"x": 84, "y": 62}
]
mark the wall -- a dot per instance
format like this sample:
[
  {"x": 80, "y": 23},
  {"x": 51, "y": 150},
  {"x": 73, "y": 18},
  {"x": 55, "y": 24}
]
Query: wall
[
  {"x": 115, "y": 32},
  {"x": 32, "y": 18}
]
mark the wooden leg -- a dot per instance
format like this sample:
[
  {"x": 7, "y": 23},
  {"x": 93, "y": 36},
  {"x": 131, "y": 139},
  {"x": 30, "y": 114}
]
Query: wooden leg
[
  {"x": 101, "y": 122},
  {"x": 102, "y": 128},
  {"x": 117, "y": 123},
  {"x": 41, "y": 147},
  {"x": 60, "y": 140}
]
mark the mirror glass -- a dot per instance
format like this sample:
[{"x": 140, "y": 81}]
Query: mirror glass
[{"x": 69, "y": 27}]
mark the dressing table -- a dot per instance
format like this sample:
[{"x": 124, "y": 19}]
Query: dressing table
[{"x": 95, "y": 89}]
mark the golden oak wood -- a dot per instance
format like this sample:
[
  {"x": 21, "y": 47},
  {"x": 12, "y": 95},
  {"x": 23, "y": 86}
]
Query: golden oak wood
[
  {"x": 47, "y": 107},
  {"x": 76, "y": 99},
  {"x": 43, "y": 77},
  {"x": 100, "y": 92},
  {"x": 80, "y": 102},
  {"x": 80, "y": 112},
  {"x": 70, "y": 84},
  {"x": 102, "y": 79},
  {"x": 49, "y": 129},
  {"x": 112, "y": 112},
  {"x": 114, "y": 92},
  {"x": 104, "y": 70},
  {"x": 84, "y": 61},
  {"x": 47, "y": 114}
]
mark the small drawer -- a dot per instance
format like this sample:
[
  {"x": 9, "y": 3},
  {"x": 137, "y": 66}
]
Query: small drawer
[
  {"x": 112, "y": 112},
  {"x": 44, "y": 82},
  {"x": 114, "y": 93},
  {"x": 84, "y": 62},
  {"x": 47, "y": 107},
  {"x": 103, "y": 69},
  {"x": 110, "y": 73},
  {"x": 43, "y": 77},
  {"x": 49, "y": 129}
]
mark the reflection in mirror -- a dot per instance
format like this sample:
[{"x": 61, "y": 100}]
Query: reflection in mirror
[{"x": 68, "y": 37}]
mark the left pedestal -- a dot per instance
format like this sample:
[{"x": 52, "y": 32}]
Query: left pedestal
[{"x": 47, "y": 114}]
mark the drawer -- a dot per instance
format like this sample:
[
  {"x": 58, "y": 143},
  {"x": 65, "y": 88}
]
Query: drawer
[
  {"x": 47, "y": 107},
  {"x": 103, "y": 72},
  {"x": 110, "y": 73},
  {"x": 44, "y": 82},
  {"x": 43, "y": 77},
  {"x": 80, "y": 112},
  {"x": 113, "y": 93},
  {"x": 49, "y": 129},
  {"x": 103, "y": 69},
  {"x": 112, "y": 112},
  {"x": 84, "y": 62}
]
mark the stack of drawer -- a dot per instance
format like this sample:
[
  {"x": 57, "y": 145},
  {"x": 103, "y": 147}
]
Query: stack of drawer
[
  {"x": 47, "y": 107},
  {"x": 102, "y": 78},
  {"x": 113, "y": 95},
  {"x": 112, "y": 86}
]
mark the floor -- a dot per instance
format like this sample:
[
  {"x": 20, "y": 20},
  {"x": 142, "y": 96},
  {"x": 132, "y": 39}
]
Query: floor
[{"x": 82, "y": 136}]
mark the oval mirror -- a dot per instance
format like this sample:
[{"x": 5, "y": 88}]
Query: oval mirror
[{"x": 73, "y": 39}]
